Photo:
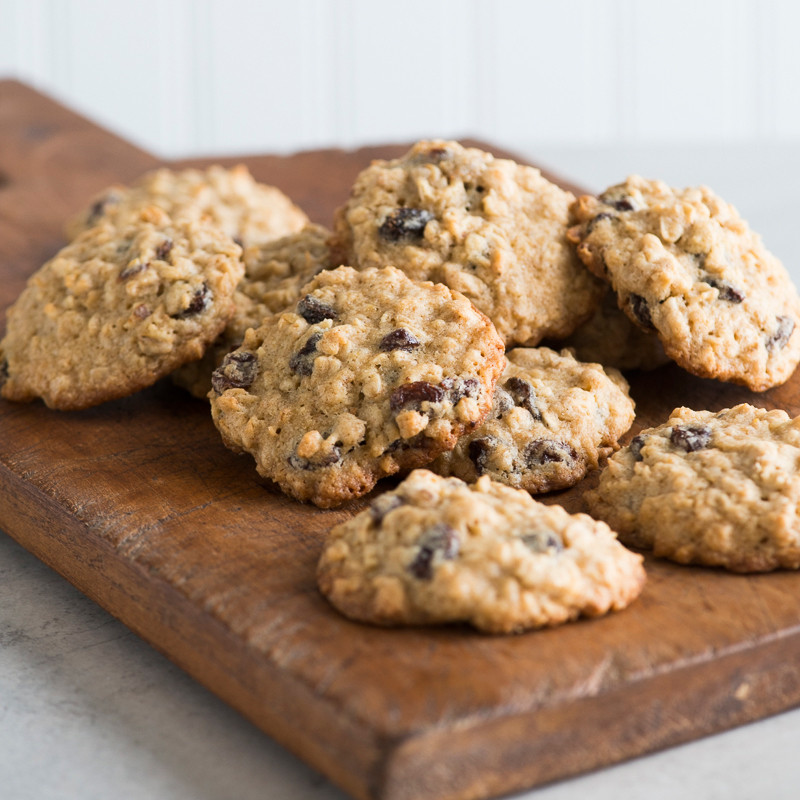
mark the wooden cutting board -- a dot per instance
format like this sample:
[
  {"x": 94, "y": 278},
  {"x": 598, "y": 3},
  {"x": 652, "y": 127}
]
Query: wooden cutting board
[{"x": 139, "y": 504}]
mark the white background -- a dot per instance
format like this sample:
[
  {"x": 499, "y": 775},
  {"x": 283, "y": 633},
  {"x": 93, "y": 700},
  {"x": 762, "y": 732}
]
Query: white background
[{"x": 243, "y": 76}]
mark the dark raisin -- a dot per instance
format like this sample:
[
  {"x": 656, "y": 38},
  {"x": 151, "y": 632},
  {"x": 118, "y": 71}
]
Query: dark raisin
[
  {"x": 479, "y": 451},
  {"x": 523, "y": 395},
  {"x": 691, "y": 437},
  {"x": 502, "y": 402},
  {"x": 237, "y": 371},
  {"x": 623, "y": 203},
  {"x": 164, "y": 249},
  {"x": 200, "y": 301},
  {"x": 313, "y": 310},
  {"x": 440, "y": 539},
  {"x": 457, "y": 388},
  {"x": 636, "y": 445},
  {"x": 133, "y": 268},
  {"x": 399, "y": 339},
  {"x": 3, "y": 371},
  {"x": 333, "y": 456},
  {"x": 414, "y": 394},
  {"x": 782, "y": 334},
  {"x": 548, "y": 451},
  {"x": 727, "y": 291},
  {"x": 641, "y": 311},
  {"x": 382, "y": 505},
  {"x": 594, "y": 220},
  {"x": 141, "y": 311},
  {"x": 397, "y": 444},
  {"x": 432, "y": 155},
  {"x": 302, "y": 362},
  {"x": 98, "y": 209},
  {"x": 543, "y": 541},
  {"x": 295, "y": 462},
  {"x": 404, "y": 224},
  {"x": 700, "y": 260}
]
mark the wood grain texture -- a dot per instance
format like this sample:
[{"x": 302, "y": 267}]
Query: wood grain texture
[{"x": 139, "y": 504}]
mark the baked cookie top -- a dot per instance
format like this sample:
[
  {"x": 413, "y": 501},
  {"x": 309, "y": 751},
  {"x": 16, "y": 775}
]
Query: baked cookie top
[
  {"x": 248, "y": 211},
  {"x": 370, "y": 373},
  {"x": 553, "y": 418},
  {"x": 437, "y": 550},
  {"x": 275, "y": 271},
  {"x": 611, "y": 339},
  {"x": 720, "y": 489},
  {"x": 118, "y": 308},
  {"x": 489, "y": 228},
  {"x": 686, "y": 266}
]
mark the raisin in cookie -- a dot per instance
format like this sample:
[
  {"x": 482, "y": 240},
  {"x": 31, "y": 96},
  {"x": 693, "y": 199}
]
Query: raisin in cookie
[
  {"x": 117, "y": 309},
  {"x": 275, "y": 271},
  {"x": 437, "y": 550},
  {"x": 720, "y": 489},
  {"x": 686, "y": 266},
  {"x": 370, "y": 373},
  {"x": 611, "y": 339},
  {"x": 553, "y": 418},
  {"x": 489, "y": 228},
  {"x": 249, "y": 212}
]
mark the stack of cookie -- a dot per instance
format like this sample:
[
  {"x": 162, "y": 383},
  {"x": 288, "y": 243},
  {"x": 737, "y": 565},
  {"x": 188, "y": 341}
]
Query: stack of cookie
[
  {"x": 146, "y": 284},
  {"x": 394, "y": 356},
  {"x": 411, "y": 336}
]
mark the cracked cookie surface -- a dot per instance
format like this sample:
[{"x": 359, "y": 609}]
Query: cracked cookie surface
[
  {"x": 688, "y": 268},
  {"x": 438, "y": 550},
  {"x": 118, "y": 308},
  {"x": 553, "y": 418},
  {"x": 230, "y": 199},
  {"x": 720, "y": 489},
  {"x": 275, "y": 271},
  {"x": 368, "y": 374},
  {"x": 489, "y": 228}
]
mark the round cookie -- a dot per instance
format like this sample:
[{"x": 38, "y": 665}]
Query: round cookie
[
  {"x": 553, "y": 418},
  {"x": 720, "y": 489},
  {"x": 369, "y": 374},
  {"x": 611, "y": 339},
  {"x": 249, "y": 212},
  {"x": 275, "y": 271},
  {"x": 489, "y": 228},
  {"x": 117, "y": 309},
  {"x": 437, "y": 550},
  {"x": 687, "y": 267}
]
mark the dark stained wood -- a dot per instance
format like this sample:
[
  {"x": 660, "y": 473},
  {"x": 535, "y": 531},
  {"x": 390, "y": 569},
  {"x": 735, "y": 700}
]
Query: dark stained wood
[{"x": 139, "y": 504}]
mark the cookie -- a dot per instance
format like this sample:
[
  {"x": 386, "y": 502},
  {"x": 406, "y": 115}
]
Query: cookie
[
  {"x": 487, "y": 227},
  {"x": 553, "y": 418},
  {"x": 117, "y": 309},
  {"x": 720, "y": 489},
  {"x": 611, "y": 339},
  {"x": 687, "y": 267},
  {"x": 249, "y": 212},
  {"x": 438, "y": 550},
  {"x": 368, "y": 374},
  {"x": 275, "y": 271}
]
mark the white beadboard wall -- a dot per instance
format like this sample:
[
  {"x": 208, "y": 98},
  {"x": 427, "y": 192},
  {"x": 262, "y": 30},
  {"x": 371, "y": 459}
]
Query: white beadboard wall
[{"x": 241, "y": 76}]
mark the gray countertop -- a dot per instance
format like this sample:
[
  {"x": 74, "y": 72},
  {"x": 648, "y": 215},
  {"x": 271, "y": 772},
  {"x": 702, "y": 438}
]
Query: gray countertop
[{"x": 89, "y": 711}]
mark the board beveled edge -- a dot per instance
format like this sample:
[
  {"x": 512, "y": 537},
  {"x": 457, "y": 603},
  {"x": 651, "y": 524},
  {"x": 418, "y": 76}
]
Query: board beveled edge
[
  {"x": 450, "y": 761},
  {"x": 194, "y": 640}
]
